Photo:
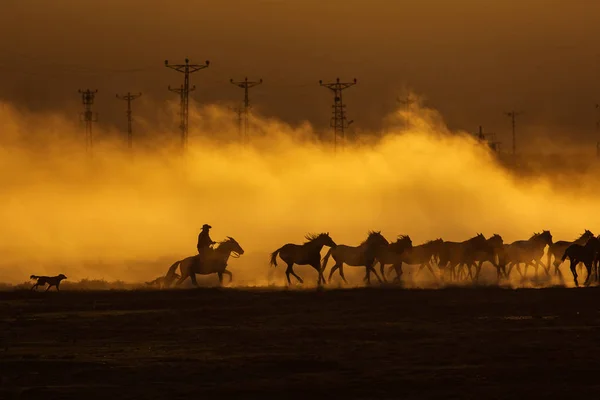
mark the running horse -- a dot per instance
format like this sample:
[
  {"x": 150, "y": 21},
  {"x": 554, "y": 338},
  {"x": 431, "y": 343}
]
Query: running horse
[
  {"x": 587, "y": 254},
  {"x": 492, "y": 253},
  {"x": 528, "y": 252},
  {"x": 557, "y": 249},
  {"x": 359, "y": 256},
  {"x": 459, "y": 254},
  {"x": 308, "y": 253},
  {"x": 414, "y": 255},
  {"x": 214, "y": 261}
]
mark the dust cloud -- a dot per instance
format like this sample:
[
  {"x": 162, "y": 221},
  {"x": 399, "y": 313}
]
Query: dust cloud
[{"x": 127, "y": 217}]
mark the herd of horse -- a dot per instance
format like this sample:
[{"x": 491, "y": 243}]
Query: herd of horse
[{"x": 455, "y": 261}]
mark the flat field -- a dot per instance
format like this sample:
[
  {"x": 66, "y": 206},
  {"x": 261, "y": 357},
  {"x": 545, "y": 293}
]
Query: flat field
[{"x": 482, "y": 343}]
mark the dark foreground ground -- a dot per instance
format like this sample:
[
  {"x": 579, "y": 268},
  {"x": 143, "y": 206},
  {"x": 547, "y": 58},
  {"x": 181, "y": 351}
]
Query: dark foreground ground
[{"x": 364, "y": 343}]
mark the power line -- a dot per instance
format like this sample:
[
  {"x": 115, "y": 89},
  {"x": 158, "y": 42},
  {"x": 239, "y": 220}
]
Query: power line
[
  {"x": 129, "y": 97},
  {"x": 513, "y": 116},
  {"x": 89, "y": 117},
  {"x": 184, "y": 93},
  {"x": 246, "y": 85},
  {"x": 338, "y": 121}
]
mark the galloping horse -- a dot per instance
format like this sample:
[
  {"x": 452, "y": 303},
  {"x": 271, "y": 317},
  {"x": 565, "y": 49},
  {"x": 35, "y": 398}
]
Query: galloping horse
[
  {"x": 491, "y": 252},
  {"x": 528, "y": 252},
  {"x": 557, "y": 249},
  {"x": 213, "y": 262},
  {"x": 586, "y": 254},
  {"x": 460, "y": 254},
  {"x": 308, "y": 253},
  {"x": 414, "y": 255},
  {"x": 360, "y": 256}
]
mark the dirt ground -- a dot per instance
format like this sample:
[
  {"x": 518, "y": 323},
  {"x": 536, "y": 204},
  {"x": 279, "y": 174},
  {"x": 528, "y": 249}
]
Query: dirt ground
[{"x": 356, "y": 343}]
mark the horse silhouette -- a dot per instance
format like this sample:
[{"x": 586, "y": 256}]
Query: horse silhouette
[
  {"x": 414, "y": 255},
  {"x": 358, "y": 256},
  {"x": 528, "y": 252},
  {"x": 459, "y": 254},
  {"x": 586, "y": 254},
  {"x": 213, "y": 261},
  {"x": 557, "y": 249},
  {"x": 490, "y": 252},
  {"x": 308, "y": 253}
]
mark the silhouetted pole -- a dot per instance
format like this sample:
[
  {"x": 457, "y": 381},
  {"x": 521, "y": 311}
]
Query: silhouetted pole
[
  {"x": 239, "y": 111},
  {"x": 129, "y": 97},
  {"x": 246, "y": 85},
  {"x": 513, "y": 116},
  {"x": 488, "y": 138},
  {"x": 407, "y": 102},
  {"x": 89, "y": 117},
  {"x": 597, "y": 130},
  {"x": 184, "y": 93},
  {"x": 338, "y": 121}
]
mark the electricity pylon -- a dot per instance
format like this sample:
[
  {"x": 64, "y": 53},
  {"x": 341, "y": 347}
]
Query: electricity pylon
[
  {"x": 184, "y": 93},
  {"x": 129, "y": 97},
  {"x": 246, "y": 85},
  {"x": 89, "y": 117},
  {"x": 338, "y": 121}
]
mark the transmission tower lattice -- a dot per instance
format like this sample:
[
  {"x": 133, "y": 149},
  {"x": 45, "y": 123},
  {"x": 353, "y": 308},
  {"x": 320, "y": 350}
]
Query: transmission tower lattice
[
  {"x": 88, "y": 117},
  {"x": 338, "y": 121},
  {"x": 246, "y": 85},
  {"x": 513, "y": 116},
  {"x": 184, "y": 93},
  {"x": 129, "y": 97}
]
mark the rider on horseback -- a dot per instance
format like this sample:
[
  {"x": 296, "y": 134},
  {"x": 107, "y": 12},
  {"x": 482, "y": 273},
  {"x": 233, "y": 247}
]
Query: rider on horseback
[{"x": 204, "y": 240}]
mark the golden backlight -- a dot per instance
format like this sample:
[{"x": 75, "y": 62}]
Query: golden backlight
[{"x": 118, "y": 217}]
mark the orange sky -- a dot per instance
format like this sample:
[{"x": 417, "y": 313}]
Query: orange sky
[{"x": 471, "y": 59}]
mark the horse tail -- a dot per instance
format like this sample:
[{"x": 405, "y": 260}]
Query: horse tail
[
  {"x": 326, "y": 259},
  {"x": 274, "y": 254},
  {"x": 171, "y": 272},
  {"x": 550, "y": 251},
  {"x": 564, "y": 257}
]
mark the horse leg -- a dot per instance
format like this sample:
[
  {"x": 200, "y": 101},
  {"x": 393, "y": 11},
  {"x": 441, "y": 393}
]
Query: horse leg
[
  {"x": 574, "y": 271},
  {"x": 430, "y": 268},
  {"x": 382, "y": 270},
  {"x": 333, "y": 269},
  {"x": 229, "y": 274},
  {"x": 193, "y": 278},
  {"x": 220, "y": 274},
  {"x": 288, "y": 271},
  {"x": 588, "y": 267},
  {"x": 399, "y": 272},
  {"x": 342, "y": 273},
  {"x": 320, "y": 278},
  {"x": 372, "y": 269},
  {"x": 183, "y": 278},
  {"x": 294, "y": 274}
]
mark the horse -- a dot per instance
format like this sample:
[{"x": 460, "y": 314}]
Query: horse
[
  {"x": 413, "y": 255},
  {"x": 460, "y": 254},
  {"x": 214, "y": 261},
  {"x": 491, "y": 252},
  {"x": 528, "y": 252},
  {"x": 557, "y": 249},
  {"x": 586, "y": 254},
  {"x": 359, "y": 256},
  {"x": 308, "y": 253}
]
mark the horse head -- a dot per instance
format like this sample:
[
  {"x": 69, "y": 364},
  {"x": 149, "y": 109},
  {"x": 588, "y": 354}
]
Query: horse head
[
  {"x": 230, "y": 245},
  {"x": 496, "y": 241},
  {"x": 402, "y": 243},
  {"x": 375, "y": 238},
  {"x": 324, "y": 239}
]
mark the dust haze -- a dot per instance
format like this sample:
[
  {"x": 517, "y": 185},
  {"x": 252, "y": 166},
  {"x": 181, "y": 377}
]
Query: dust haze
[{"x": 127, "y": 217}]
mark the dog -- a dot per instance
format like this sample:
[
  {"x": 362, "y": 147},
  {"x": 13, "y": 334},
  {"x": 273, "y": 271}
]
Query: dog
[{"x": 50, "y": 280}]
